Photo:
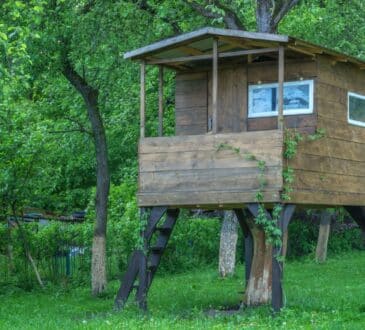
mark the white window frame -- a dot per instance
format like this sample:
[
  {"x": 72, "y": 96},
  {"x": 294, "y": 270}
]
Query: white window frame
[
  {"x": 352, "y": 121},
  {"x": 286, "y": 112}
]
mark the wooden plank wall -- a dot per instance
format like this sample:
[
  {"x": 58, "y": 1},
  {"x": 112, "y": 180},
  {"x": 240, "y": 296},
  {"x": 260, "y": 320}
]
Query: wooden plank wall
[
  {"x": 268, "y": 73},
  {"x": 190, "y": 171},
  {"x": 193, "y": 98},
  {"x": 232, "y": 99},
  {"x": 331, "y": 170},
  {"x": 191, "y": 103}
]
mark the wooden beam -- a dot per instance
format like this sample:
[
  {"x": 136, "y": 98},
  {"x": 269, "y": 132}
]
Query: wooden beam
[
  {"x": 190, "y": 50},
  {"x": 215, "y": 86},
  {"x": 210, "y": 56},
  {"x": 143, "y": 99},
  {"x": 301, "y": 50},
  {"x": 281, "y": 89},
  {"x": 160, "y": 101}
]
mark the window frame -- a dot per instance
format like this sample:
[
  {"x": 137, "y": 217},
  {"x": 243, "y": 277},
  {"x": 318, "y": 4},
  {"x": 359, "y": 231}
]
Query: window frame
[
  {"x": 291, "y": 112},
  {"x": 349, "y": 120}
]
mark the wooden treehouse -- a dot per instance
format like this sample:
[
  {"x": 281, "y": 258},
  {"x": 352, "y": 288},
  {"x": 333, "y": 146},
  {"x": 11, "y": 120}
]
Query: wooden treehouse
[{"x": 240, "y": 97}]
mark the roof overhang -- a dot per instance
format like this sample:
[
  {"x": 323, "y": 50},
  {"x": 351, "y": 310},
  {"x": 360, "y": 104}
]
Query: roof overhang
[{"x": 199, "y": 43}]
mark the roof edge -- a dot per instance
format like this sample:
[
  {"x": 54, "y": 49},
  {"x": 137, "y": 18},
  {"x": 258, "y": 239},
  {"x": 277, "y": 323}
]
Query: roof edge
[{"x": 200, "y": 33}]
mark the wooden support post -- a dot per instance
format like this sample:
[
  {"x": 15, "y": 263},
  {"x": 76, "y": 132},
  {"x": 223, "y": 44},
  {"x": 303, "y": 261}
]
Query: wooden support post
[
  {"x": 160, "y": 101},
  {"x": 277, "y": 264},
  {"x": 241, "y": 215},
  {"x": 358, "y": 214},
  {"x": 323, "y": 235},
  {"x": 215, "y": 86},
  {"x": 143, "y": 99},
  {"x": 281, "y": 89}
]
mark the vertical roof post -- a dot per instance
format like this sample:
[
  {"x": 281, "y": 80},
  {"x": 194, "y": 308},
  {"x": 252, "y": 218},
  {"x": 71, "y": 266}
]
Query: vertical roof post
[
  {"x": 160, "y": 101},
  {"x": 143, "y": 99},
  {"x": 215, "y": 86},
  {"x": 281, "y": 89}
]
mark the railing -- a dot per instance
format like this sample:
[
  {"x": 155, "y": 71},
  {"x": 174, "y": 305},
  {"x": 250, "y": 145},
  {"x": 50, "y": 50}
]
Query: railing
[{"x": 210, "y": 170}]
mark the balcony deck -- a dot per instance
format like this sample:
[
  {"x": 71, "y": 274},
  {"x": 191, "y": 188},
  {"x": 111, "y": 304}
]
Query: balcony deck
[{"x": 209, "y": 171}]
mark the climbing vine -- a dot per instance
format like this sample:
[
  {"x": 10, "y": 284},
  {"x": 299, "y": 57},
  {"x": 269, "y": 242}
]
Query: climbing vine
[{"x": 291, "y": 140}]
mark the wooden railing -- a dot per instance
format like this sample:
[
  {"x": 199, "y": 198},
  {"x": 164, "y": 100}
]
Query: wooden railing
[{"x": 209, "y": 170}]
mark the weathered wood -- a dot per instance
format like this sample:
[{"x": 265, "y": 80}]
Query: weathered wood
[
  {"x": 241, "y": 217},
  {"x": 281, "y": 64},
  {"x": 128, "y": 280},
  {"x": 191, "y": 104},
  {"x": 292, "y": 121},
  {"x": 323, "y": 235},
  {"x": 246, "y": 141},
  {"x": 208, "y": 199},
  {"x": 160, "y": 101},
  {"x": 143, "y": 99},
  {"x": 215, "y": 87},
  {"x": 211, "y": 165},
  {"x": 267, "y": 72},
  {"x": 238, "y": 53}
]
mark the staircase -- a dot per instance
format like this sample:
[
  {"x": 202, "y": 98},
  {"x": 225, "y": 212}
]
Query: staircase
[{"x": 143, "y": 266}]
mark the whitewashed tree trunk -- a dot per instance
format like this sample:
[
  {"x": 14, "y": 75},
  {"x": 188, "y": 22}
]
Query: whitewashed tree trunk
[
  {"x": 228, "y": 243},
  {"x": 323, "y": 235}
]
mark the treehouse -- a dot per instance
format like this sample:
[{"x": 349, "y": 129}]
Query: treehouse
[{"x": 243, "y": 101}]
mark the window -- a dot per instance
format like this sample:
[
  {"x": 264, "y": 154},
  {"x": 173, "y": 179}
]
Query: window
[
  {"x": 356, "y": 109},
  {"x": 263, "y": 99}
]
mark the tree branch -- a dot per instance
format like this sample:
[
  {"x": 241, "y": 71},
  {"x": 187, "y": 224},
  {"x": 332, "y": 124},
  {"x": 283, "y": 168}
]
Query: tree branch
[
  {"x": 144, "y": 5},
  {"x": 230, "y": 18},
  {"x": 285, "y": 8}
]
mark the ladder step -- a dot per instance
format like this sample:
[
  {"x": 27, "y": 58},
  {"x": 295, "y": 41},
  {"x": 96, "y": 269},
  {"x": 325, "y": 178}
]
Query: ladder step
[
  {"x": 157, "y": 249},
  {"x": 152, "y": 268},
  {"x": 164, "y": 230}
]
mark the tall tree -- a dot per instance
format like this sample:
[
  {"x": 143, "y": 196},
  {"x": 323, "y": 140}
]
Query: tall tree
[{"x": 269, "y": 13}]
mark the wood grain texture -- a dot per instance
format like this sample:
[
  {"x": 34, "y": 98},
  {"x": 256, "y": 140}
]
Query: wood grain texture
[
  {"x": 191, "y": 104},
  {"x": 331, "y": 170},
  {"x": 191, "y": 170}
]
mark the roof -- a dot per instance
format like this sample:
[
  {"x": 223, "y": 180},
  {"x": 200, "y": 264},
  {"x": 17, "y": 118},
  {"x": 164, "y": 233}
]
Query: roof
[{"x": 199, "y": 42}]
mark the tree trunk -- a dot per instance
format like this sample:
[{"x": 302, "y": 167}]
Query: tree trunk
[
  {"x": 258, "y": 290},
  {"x": 324, "y": 232},
  {"x": 228, "y": 242},
  {"x": 285, "y": 243},
  {"x": 90, "y": 96}
]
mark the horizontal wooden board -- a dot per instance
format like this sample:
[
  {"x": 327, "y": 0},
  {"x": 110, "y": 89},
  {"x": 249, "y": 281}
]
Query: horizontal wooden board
[
  {"x": 268, "y": 72},
  {"x": 330, "y": 147},
  {"x": 325, "y": 164},
  {"x": 232, "y": 179},
  {"x": 326, "y": 198},
  {"x": 214, "y": 199},
  {"x": 267, "y": 123},
  {"x": 343, "y": 75},
  {"x": 339, "y": 129},
  {"x": 246, "y": 141},
  {"x": 308, "y": 180},
  {"x": 200, "y": 165},
  {"x": 206, "y": 159}
]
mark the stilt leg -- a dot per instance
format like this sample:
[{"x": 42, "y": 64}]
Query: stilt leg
[
  {"x": 358, "y": 214},
  {"x": 277, "y": 263},
  {"x": 241, "y": 215}
]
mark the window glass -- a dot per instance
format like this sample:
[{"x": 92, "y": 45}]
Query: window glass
[
  {"x": 298, "y": 98},
  {"x": 356, "y": 109}
]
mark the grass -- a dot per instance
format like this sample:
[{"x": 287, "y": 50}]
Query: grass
[{"x": 328, "y": 296}]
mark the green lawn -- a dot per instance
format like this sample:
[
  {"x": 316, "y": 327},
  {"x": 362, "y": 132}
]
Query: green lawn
[{"x": 329, "y": 296}]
